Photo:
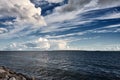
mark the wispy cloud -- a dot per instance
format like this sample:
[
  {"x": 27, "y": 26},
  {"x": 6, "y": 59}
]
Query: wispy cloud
[{"x": 3, "y": 30}]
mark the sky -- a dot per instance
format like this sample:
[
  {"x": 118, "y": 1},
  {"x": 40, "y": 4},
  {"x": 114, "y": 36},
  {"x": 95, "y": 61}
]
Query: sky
[{"x": 38, "y": 25}]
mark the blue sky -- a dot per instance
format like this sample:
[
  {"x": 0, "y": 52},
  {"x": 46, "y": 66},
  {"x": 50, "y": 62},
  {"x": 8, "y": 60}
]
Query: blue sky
[{"x": 60, "y": 25}]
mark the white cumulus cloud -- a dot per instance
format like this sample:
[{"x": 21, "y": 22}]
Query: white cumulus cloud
[{"x": 23, "y": 10}]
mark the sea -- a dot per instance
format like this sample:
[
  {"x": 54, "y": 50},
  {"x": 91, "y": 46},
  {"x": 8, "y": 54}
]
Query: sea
[{"x": 64, "y": 65}]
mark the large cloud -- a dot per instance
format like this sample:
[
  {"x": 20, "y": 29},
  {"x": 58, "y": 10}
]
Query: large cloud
[{"x": 23, "y": 10}]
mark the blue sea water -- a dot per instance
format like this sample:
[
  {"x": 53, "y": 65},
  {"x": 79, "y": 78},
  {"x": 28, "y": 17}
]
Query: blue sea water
[{"x": 64, "y": 65}]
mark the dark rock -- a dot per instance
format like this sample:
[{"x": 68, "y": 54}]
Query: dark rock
[{"x": 7, "y": 74}]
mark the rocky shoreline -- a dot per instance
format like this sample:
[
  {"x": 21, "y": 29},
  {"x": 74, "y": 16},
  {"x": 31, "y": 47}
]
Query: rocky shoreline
[{"x": 7, "y": 74}]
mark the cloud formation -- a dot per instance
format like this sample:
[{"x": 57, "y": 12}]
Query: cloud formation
[
  {"x": 23, "y": 10},
  {"x": 88, "y": 4},
  {"x": 71, "y": 26},
  {"x": 3, "y": 30},
  {"x": 39, "y": 44}
]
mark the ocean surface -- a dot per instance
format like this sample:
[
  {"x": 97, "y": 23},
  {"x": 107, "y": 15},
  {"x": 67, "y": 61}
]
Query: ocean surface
[{"x": 64, "y": 65}]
